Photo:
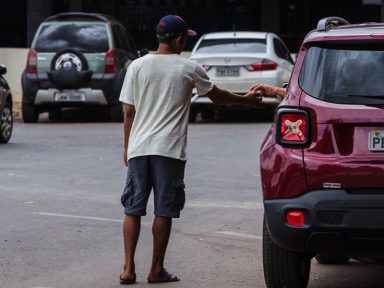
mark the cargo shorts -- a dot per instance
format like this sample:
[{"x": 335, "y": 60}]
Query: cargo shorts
[{"x": 162, "y": 174}]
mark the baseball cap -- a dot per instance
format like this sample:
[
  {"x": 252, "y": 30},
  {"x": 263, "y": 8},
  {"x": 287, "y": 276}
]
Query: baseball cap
[{"x": 172, "y": 26}]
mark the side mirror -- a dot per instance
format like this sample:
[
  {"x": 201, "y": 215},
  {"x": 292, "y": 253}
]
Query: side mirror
[
  {"x": 143, "y": 51},
  {"x": 3, "y": 69}
]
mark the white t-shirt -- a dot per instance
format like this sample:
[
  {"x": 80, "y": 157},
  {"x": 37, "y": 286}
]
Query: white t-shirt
[{"x": 160, "y": 87}]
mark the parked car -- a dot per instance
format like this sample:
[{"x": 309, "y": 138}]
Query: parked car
[
  {"x": 322, "y": 161},
  {"x": 235, "y": 61},
  {"x": 6, "y": 112},
  {"x": 76, "y": 59}
]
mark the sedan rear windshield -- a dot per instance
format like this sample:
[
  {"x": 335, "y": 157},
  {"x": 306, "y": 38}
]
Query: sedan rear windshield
[
  {"x": 82, "y": 36},
  {"x": 344, "y": 75},
  {"x": 232, "y": 46}
]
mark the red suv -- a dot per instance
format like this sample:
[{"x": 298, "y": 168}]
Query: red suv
[{"x": 322, "y": 161}]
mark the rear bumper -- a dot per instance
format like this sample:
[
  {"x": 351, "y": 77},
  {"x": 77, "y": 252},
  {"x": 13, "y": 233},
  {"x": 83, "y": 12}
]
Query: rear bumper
[
  {"x": 335, "y": 220},
  {"x": 88, "y": 96},
  {"x": 98, "y": 90}
]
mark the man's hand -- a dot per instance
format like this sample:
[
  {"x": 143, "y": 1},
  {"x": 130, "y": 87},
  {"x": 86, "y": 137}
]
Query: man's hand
[
  {"x": 269, "y": 90},
  {"x": 254, "y": 97}
]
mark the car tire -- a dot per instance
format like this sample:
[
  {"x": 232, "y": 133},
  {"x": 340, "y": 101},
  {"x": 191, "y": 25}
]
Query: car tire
[
  {"x": 6, "y": 123},
  {"x": 283, "y": 268},
  {"x": 116, "y": 111},
  {"x": 29, "y": 113},
  {"x": 331, "y": 258},
  {"x": 78, "y": 54}
]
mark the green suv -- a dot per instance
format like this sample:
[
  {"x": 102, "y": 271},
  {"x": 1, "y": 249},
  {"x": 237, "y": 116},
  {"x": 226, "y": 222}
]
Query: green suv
[{"x": 76, "y": 59}]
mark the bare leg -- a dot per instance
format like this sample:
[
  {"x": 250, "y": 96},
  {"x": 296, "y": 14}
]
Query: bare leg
[
  {"x": 131, "y": 231},
  {"x": 161, "y": 231}
]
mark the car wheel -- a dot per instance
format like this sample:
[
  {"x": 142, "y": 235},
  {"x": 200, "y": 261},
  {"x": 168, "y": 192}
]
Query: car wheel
[
  {"x": 331, "y": 258},
  {"x": 283, "y": 268},
  {"x": 6, "y": 123},
  {"x": 29, "y": 112},
  {"x": 116, "y": 110}
]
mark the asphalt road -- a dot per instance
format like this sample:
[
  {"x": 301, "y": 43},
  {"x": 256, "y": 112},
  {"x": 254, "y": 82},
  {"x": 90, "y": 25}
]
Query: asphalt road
[{"x": 61, "y": 220}]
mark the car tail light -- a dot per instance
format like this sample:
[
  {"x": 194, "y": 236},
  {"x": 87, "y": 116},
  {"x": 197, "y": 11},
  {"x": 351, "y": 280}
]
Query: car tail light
[
  {"x": 110, "y": 61},
  {"x": 32, "y": 62},
  {"x": 292, "y": 127},
  {"x": 206, "y": 67},
  {"x": 295, "y": 218},
  {"x": 264, "y": 64}
]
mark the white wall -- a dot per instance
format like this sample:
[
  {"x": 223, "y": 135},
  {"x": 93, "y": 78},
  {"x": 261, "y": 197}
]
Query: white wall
[{"x": 14, "y": 59}]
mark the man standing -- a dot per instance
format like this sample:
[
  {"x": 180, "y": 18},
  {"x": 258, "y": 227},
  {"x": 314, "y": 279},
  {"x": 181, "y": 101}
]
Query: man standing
[{"x": 156, "y": 94}]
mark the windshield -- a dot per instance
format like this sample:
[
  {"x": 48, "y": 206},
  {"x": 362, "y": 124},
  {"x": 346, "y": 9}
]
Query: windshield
[
  {"x": 82, "y": 36},
  {"x": 232, "y": 46},
  {"x": 352, "y": 76}
]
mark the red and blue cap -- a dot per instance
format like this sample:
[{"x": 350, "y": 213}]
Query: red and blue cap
[{"x": 172, "y": 26}]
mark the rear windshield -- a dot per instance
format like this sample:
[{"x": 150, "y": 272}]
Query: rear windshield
[
  {"x": 232, "y": 46},
  {"x": 342, "y": 75},
  {"x": 82, "y": 36}
]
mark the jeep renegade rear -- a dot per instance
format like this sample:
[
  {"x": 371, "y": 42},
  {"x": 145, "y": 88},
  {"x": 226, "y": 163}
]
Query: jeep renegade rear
[{"x": 322, "y": 162}]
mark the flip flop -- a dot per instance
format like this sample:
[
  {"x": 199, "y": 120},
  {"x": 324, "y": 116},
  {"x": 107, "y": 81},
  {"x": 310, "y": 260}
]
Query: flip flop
[
  {"x": 127, "y": 281},
  {"x": 167, "y": 277}
]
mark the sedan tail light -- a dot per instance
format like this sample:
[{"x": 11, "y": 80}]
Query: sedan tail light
[
  {"x": 264, "y": 64},
  {"x": 110, "y": 61},
  {"x": 32, "y": 62},
  {"x": 292, "y": 127}
]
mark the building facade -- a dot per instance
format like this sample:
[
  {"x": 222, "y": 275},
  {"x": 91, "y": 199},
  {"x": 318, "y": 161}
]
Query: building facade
[{"x": 291, "y": 19}]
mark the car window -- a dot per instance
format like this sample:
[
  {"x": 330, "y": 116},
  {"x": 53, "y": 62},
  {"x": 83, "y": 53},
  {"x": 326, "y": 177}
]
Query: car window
[
  {"x": 82, "y": 36},
  {"x": 281, "y": 51},
  {"x": 345, "y": 74},
  {"x": 232, "y": 46}
]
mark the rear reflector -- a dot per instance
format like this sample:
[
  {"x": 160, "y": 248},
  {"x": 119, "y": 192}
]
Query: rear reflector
[
  {"x": 292, "y": 127},
  {"x": 264, "y": 64},
  {"x": 295, "y": 218}
]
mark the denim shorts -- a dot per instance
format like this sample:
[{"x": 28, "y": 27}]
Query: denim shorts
[{"x": 162, "y": 174}]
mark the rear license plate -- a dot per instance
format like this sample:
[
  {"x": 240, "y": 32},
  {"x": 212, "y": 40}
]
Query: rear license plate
[
  {"x": 69, "y": 96},
  {"x": 376, "y": 140},
  {"x": 228, "y": 71}
]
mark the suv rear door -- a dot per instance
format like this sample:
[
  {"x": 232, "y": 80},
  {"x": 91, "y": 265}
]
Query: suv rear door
[
  {"x": 90, "y": 38},
  {"x": 344, "y": 93}
]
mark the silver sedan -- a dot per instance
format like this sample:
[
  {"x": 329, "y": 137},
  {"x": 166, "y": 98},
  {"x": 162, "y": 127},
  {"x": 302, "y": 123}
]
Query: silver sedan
[{"x": 235, "y": 61}]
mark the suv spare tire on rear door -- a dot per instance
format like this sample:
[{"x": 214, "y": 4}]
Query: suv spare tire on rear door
[{"x": 69, "y": 70}]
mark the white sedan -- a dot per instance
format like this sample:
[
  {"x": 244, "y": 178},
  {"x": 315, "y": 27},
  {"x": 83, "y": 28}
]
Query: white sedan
[{"x": 235, "y": 61}]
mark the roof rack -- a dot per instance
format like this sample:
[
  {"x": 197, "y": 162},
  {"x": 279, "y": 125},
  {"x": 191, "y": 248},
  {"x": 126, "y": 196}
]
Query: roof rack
[
  {"x": 79, "y": 16},
  {"x": 329, "y": 22}
]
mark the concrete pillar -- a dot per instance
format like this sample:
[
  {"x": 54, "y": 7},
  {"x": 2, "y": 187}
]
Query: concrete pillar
[{"x": 270, "y": 15}]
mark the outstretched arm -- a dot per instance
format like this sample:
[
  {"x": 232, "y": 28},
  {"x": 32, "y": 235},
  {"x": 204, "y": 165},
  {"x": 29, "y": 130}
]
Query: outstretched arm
[
  {"x": 224, "y": 97},
  {"x": 269, "y": 90}
]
